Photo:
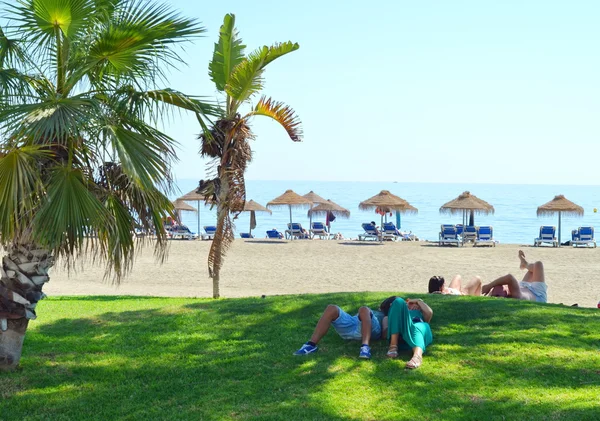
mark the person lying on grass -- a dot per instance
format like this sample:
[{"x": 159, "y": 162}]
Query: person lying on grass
[
  {"x": 408, "y": 328},
  {"x": 364, "y": 326},
  {"x": 437, "y": 285},
  {"x": 533, "y": 286}
]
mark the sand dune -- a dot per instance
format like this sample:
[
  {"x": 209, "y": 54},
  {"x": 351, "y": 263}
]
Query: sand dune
[{"x": 257, "y": 267}]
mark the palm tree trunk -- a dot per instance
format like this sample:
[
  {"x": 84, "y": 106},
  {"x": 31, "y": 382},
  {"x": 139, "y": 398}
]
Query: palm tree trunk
[
  {"x": 24, "y": 273},
  {"x": 221, "y": 240}
]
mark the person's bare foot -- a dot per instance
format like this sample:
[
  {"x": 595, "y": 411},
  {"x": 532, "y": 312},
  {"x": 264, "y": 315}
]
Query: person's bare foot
[{"x": 523, "y": 261}]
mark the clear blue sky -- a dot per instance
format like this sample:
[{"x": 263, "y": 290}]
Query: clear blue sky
[{"x": 414, "y": 91}]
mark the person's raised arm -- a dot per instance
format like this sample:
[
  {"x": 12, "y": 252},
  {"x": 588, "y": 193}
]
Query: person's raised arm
[{"x": 425, "y": 309}]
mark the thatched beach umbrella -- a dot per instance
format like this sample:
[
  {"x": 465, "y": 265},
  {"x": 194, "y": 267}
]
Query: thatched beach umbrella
[
  {"x": 467, "y": 202},
  {"x": 290, "y": 199},
  {"x": 328, "y": 208},
  {"x": 180, "y": 205},
  {"x": 253, "y": 207},
  {"x": 561, "y": 205},
  {"x": 386, "y": 202},
  {"x": 315, "y": 199},
  {"x": 195, "y": 197}
]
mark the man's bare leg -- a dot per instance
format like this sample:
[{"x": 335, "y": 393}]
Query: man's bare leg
[
  {"x": 513, "y": 286},
  {"x": 473, "y": 287},
  {"x": 364, "y": 314},
  {"x": 329, "y": 315},
  {"x": 535, "y": 271},
  {"x": 456, "y": 282}
]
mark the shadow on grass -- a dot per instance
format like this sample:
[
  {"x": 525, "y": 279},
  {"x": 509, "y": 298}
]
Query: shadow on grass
[{"x": 231, "y": 359}]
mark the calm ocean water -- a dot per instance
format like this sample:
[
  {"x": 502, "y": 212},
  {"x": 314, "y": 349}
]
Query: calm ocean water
[{"x": 515, "y": 220}]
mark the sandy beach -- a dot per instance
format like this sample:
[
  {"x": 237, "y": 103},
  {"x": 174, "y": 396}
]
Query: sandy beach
[{"x": 256, "y": 267}]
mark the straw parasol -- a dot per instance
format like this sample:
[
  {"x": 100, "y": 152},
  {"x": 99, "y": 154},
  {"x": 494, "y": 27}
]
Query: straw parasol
[
  {"x": 180, "y": 205},
  {"x": 315, "y": 199},
  {"x": 467, "y": 202},
  {"x": 253, "y": 207},
  {"x": 386, "y": 202},
  {"x": 290, "y": 199},
  {"x": 561, "y": 205},
  {"x": 328, "y": 208},
  {"x": 195, "y": 197}
]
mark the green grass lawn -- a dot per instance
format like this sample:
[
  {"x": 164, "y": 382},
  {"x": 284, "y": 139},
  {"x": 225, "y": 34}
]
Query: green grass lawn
[{"x": 105, "y": 358}]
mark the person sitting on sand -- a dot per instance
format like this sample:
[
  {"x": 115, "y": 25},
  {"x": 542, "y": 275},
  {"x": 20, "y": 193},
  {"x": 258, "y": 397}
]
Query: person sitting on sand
[
  {"x": 533, "y": 286},
  {"x": 364, "y": 326},
  {"x": 338, "y": 236},
  {"x": 437, "y": 285},
  {"x": 408, "y": 328}
]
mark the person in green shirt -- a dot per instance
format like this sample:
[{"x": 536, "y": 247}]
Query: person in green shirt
[{"x": 408, "y": 327}]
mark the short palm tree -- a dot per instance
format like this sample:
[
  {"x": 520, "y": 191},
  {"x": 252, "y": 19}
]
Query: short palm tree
[
  {"x": 239, "y": 78},
  {"x": 82, "y": 163}
]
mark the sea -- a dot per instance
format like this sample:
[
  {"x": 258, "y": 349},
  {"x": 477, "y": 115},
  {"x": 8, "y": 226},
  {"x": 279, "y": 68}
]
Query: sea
[{"x": 514, "y": 221}]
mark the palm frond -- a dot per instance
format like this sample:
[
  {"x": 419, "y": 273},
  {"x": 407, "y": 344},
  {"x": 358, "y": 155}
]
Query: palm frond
[
  {"x": 139, "y": 39},
  {"x": 144, "y": 152},
  {"x": 228, "y": 53},
  {"x": 20, "y": 189},
  {"x": 246, "y": 79},
  {"x": 282, "y": 114},
  {"x": 68, "y": 213}
]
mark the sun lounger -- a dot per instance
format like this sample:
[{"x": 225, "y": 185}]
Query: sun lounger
[
  {"x": 583, "y": 236},
  {"x": 469, "y": 234},
  {"x": 369, "y": 234},
  {"x": 460, "y": 228},
  {"x": 246, "y": 235},
  {"x": 274, "y": 234},
  {"x": 318, "y": 229},
  {"x": 295, "y": 230},
  {"x": 448, "y": 235},
  {"x": 485, "y": 237},
  {"x": 390, "y": 232},
  {"x": 547, "y": 235},
  {"x": 210, "y": 231}
]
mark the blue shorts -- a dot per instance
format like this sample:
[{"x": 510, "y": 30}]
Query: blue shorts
[{"x": 349, "y": 327}]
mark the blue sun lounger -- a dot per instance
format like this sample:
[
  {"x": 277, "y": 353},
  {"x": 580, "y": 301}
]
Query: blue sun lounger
[
  {"x": 448, "y": 235},
  {"x": 318, "y": 230},
  {"x": 369, "y": 234},
  {"x": 210, "y": 231},
  {"x": 274, "y": 234},
  {"x": 547, "y": 235},
  {"x": 583, "y": 236},
  {"x": 485, "y": 237}
]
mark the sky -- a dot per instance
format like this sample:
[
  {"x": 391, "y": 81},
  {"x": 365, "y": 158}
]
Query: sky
[{"x": 414, "y": 91}]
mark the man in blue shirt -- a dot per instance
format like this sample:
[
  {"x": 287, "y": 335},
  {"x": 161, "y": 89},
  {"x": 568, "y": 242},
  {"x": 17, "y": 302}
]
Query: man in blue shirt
[{"x": 364, "y": 326}]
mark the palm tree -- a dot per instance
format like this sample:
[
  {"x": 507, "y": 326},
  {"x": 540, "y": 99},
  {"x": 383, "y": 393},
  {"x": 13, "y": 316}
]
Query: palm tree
[
  {"x": 239, "y": 78},
  {"x": 81, "y": 161}
]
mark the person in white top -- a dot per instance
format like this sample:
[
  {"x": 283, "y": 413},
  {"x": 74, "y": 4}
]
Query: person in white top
[
  {"x": 437, "y": 285},
  {"x": 533, "y": 286}
]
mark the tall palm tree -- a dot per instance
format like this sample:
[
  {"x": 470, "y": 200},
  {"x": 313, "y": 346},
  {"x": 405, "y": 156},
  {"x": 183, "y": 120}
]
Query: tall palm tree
[
  {"x": 81, "y": 161},
  {"x": 239, "y": 78}
]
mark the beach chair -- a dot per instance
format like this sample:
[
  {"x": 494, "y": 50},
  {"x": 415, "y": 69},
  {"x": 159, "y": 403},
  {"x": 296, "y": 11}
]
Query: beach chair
[
  {"x": 547, "y": 235},
  {"x": 274, "y": 234},
  {"x": 448, "y": 235},
  {"x": 318, "y": 229},
  {"x": 295, "y": 230},
  {"x": 460, "y": 228},
  {"x": 583, "y": 236},
  {"x": 246, "y": 235},
  {"x": 210, "y": 231},
  {"x": 369, "y": 234},
  {"x": 390, "y": 232},
  {"x": 469, "y": 234},
  {"x": 485, "y": 237}
]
